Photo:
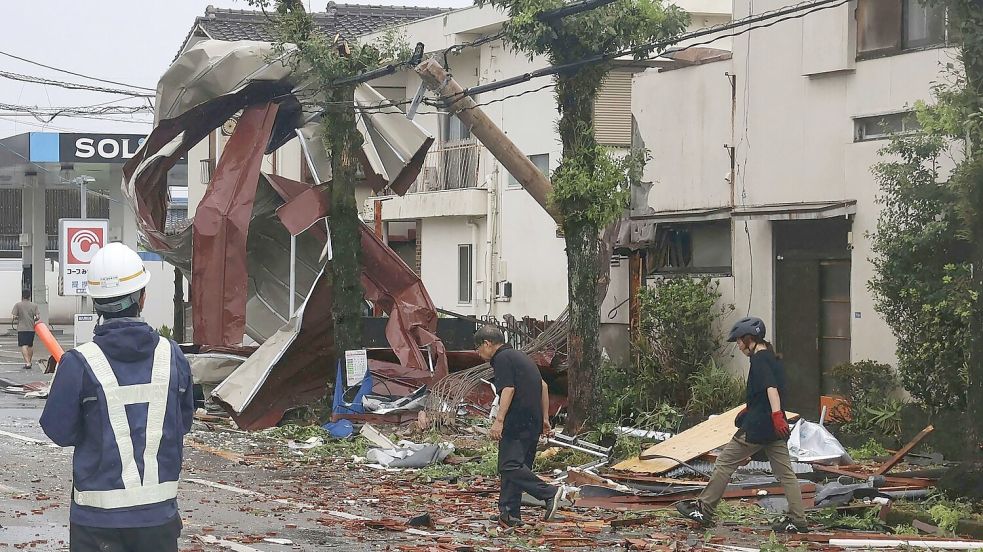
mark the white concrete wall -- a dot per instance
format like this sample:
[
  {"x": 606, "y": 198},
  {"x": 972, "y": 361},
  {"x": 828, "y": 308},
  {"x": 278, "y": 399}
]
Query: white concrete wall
[
  {"x": 685, "y": 122},
  {"x": 439, "y": 270},
  {"x": 799, "y": 88},
  {"x": 525, "y": 250}
]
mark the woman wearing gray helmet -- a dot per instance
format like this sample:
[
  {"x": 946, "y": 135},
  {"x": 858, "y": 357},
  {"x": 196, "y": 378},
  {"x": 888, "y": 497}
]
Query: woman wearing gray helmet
[{"x": 761, "y": 426}]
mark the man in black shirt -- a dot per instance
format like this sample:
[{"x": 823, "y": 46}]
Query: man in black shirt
[{"x": 522, "y": 417}]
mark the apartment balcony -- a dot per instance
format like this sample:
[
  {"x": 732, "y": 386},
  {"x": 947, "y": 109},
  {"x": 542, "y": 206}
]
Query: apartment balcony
[{"x": 447, "y": 186}]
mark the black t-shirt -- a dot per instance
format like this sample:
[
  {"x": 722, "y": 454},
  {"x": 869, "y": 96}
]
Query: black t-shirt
[
  {"x": 515, "y": 369},
  {"x": 766, "y": 371}
]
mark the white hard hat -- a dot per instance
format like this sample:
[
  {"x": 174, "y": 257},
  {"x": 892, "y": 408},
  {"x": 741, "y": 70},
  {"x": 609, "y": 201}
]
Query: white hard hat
[{"x": 116, "y": 271}]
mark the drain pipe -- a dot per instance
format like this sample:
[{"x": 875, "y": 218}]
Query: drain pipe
[{"x": 491, "y": 221}]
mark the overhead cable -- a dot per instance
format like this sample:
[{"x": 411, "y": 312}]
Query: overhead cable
[
  {"x": 39, "y": 64},
  {"x": 73, "y": 85},
  {"x": 772, "y": 17}
]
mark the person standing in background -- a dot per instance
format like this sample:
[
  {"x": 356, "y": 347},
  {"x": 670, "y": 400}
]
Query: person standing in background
[{"x": 26, "y": 315}]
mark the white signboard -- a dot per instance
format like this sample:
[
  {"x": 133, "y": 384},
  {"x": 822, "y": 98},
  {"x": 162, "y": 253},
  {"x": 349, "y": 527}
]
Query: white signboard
[
  {"x": 78, "y": 242},
  {"x": 85, "y": 328},
  {"x": 356, "y": 366}
]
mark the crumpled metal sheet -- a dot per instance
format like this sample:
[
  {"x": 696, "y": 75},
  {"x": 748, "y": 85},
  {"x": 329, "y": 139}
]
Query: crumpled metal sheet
[
  {"x": 215, "y": 68},
  {"x": 205, "y": 87},
  {"x": 392, "y": 156},
  {"x": 412, "y": 325},
  {"x": 290, "y": 368},
  {"x": 212, "y": 368},
  {"x": 220, "y": 229},
  {"x": 295, "y": 365}
]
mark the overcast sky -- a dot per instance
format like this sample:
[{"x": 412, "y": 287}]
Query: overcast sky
[{"x": 129, "y": 41}]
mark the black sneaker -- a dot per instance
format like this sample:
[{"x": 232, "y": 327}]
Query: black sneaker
[
  {"x": 27, "y": 366},
  {"x": 690, "y": 509},
  {"x": 507, "y": 520},
  {"x": 553, "y": 504},
  {"x": 786, "y": 525}
]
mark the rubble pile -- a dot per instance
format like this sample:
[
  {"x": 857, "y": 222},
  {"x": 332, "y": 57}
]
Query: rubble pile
[{"x": 446, "y": 499}]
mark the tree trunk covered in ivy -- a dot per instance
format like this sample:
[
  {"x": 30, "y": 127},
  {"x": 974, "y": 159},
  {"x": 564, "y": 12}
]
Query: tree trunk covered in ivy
[
  {"x": 327, "y": 60},
  {"x": 964, "y": 104},
  {"x": 967, "y": 17},
  {"x": 343, "y": 140},
  {"x": 590, "y": 187},
  {"x": 575, "y": 97}
]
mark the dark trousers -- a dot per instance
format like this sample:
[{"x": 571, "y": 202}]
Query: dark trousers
[
  {"x": 162, "y": 538},
  {"x": 516, "y": 454}
]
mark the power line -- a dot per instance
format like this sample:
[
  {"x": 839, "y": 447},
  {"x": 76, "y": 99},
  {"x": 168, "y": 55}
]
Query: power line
[
  {"x": 66, "y": 71},
  {"x": 770, "y": 18},
  {"x": 774, "y": 16},
  {"x": 73, "y": 85},
  {"x": 39, "y": 125},
  {"x": 47, "y": 115}
]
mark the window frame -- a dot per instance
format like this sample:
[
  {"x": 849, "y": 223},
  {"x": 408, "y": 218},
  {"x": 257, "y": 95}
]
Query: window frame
[
  {"x": 470, "y": 276},
  {"x": 907, "y": 117},
  {"x": 513, "y": 184},
  {"x": 903, "y": 45},
  {"x": 652, "y": 271}
]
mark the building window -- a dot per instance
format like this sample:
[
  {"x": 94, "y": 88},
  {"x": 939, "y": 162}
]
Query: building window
[
  {"x": 886, "y": 27},
  {"x": 465, "y": 269},
  {"x": 542, "y": 162},
  {"x": 881, "y": 127},
  {"x": 691, "y": 248},
  {"x": 453, "y": 129}
]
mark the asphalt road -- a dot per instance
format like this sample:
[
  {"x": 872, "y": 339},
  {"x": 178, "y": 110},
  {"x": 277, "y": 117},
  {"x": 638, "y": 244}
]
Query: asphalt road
[{"x": 217, "y": 496}]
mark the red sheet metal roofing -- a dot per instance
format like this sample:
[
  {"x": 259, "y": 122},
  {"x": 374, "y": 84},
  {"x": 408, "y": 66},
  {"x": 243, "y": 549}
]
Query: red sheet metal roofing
[
  {"x": 303, "y": 371},
  {"x": 221, "y": 226}
]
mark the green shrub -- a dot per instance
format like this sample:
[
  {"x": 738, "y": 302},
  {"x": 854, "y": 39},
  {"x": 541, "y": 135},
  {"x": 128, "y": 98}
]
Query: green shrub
[
  {"x": 870, "y": 450},
  {"x": 870, "y": 385},
  {"x": 863, "y": 380},
  {"x": 922, "y": 282},
  {"x": 947, "y": 514},
  {"x": 678, "y": 335},
  {"x": 165, "y": 331},
  {"x": 714, "y": 390}
]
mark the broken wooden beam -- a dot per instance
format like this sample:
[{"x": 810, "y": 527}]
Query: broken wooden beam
[{"x": 898, "y": 456}]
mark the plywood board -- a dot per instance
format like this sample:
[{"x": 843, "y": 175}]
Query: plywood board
[{"x": 692, "y": 443}]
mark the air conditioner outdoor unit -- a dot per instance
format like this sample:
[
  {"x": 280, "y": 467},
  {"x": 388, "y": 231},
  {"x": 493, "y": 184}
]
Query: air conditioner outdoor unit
[{"x": 503, "y": 290}]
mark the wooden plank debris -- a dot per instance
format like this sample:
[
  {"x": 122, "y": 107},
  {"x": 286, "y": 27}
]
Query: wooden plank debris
[
  {"x": 688, "y": 445},
  {"x": 898, "y": 456}
]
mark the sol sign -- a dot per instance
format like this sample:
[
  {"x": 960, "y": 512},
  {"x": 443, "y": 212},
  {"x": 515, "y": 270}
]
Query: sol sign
[
  {"x": 78, "y": 242},
  {"x": 95, "y": 148}
]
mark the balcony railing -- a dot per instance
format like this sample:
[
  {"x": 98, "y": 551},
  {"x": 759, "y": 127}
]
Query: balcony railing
[{"x": 452, "y": 166}]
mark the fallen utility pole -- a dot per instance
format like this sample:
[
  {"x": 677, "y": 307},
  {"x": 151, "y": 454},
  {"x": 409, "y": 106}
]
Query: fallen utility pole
[{"x": 487, "y": 132}]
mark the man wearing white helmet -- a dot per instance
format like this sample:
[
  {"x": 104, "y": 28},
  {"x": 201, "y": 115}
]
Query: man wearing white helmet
[{"x": 125, "y": 402}]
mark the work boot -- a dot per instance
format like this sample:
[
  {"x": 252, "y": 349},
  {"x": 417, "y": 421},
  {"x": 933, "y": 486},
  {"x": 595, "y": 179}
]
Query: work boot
[
  {"x": 691, "y": 509},
  {"x": 553, "y": 504},
  {"x": 787, "y": 525},
  {"x": 507, "y": 520}
]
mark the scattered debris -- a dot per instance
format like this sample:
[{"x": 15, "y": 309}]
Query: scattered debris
[
  {"x": 811, "y": 442},
  {"x": 407, "y": 454}
]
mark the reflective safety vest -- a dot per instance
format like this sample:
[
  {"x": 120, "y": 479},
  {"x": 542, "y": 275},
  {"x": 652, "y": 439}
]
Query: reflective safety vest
[{"x": 135, "y": 491}]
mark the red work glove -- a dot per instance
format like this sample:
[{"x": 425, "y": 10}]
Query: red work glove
[
  {"x": 739, "y": 420},
  {"x": 780, "y": 424}
]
